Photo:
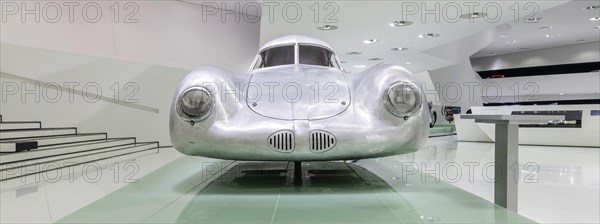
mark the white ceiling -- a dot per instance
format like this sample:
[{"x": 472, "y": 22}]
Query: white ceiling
[
  {"x": 361, "y": 20},
  {"x": 241, "y": 6},
  {"x": 570, "y": 21}
]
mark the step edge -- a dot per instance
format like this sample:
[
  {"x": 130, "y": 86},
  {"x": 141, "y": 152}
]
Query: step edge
[
  {"x": 129, "y": 153},
  {"x": 117, "y": 147}
]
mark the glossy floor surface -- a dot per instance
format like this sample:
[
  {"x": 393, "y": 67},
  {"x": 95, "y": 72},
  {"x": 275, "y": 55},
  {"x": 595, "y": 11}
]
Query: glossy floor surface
[{"x": 446, "y": 182}]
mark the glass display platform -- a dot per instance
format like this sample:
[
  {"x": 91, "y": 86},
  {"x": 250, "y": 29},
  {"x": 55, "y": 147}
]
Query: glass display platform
[{"x": 197, "y": 190}]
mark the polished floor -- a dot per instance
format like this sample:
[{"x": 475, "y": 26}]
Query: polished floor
[{"x": 446, "y": 182}]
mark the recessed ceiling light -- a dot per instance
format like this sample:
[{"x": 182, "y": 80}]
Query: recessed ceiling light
[
  {"x": 592, "y": 7},
  {"x": 370, "y": 41},
  {"x": 524, "y": 49},
  {"x": 429, "y": 35},
  {"x": 399, "y": 49},
  {"x": 580, "y": 41},
  {"x": 375, "y": 59},
  {"x": 400, "y": 23},
  {"x": 493, "y": 53},
  {"x": 474, "y": 15},
  {"x": 327, "y": 27},
  {"x": 409, "y": 62},
  {"x": 512, "y": 42},
  {"x": 505, "y": 35},
  {"x": 360, "y": 66},
  {"x": 561, "y": 94},
  {"x": 534, "y": 19},
  {"x": 545, "y": 27},
  {"x": 354, "y": 53},
  {"x": 594, "y": 18},
  {"x": 552, "y": 35}
]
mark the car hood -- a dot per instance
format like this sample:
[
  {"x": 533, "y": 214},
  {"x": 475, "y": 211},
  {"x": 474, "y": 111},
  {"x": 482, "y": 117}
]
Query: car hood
[{"x": 298, "y": 92}]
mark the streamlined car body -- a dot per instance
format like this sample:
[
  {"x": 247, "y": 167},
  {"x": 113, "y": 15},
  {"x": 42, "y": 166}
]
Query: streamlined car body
[{"x": 296, "y": 103}]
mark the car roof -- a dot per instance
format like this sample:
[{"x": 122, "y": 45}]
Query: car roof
[{"x": 293, "y": 39}]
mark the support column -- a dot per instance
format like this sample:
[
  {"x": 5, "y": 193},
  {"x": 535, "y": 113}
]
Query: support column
[
  {"x": 506, "y": 186},
  {"x": 297, "y": 173}
]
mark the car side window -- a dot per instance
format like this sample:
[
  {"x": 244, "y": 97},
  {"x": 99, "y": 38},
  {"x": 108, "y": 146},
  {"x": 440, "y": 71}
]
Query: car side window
[
  {"x": 334, "y": 62},
  {"x": 259, "y": 62},
  {"x": 314, "y": 55},
  {"x": 275, "y": 56}
]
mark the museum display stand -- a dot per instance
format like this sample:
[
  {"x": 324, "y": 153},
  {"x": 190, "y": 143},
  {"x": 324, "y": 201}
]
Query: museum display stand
[{"x": 507, "y": 152}]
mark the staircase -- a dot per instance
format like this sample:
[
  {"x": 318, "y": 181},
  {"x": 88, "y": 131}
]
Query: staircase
[{"x": 26, "y": 147}]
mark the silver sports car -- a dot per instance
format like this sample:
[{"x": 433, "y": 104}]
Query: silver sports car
[{"x": 296, "y": 103}]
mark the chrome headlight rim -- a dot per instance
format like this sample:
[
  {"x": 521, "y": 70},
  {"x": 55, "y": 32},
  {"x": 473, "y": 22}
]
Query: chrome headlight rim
[
  {"x": 185, "y": 116},
  {"x": 390, "y": 108}
]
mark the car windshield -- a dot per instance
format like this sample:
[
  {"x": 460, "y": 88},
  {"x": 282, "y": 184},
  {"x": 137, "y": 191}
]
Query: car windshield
[
  {"x": 314, "y": 55},
  {"x": 275, "y": 56},
  {"x": 284, "y": 55}
]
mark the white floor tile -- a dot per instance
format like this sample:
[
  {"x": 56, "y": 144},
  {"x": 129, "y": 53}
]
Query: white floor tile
[{"x": 563, "y": 187}]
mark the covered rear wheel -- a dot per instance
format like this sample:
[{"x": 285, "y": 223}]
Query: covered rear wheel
[{"x": 433, "y": 119}]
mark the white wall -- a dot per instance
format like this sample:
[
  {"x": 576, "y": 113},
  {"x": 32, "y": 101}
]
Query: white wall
[
  {"x": 168, "y": 33},
  {"x": 586, "y": 136},
  {"x": 428, "y": 87},
  {"x": 154, "y": 54},
  {"x": 476, "y": 91},
  {"x": 578, "y": 53},
  {"x": 542, "y": 88},
  {"x": 458, "y": 85}
]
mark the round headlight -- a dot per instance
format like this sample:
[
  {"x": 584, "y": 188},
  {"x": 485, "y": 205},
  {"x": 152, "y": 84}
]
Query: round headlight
[
  {"x": 402, "y": 99},
  {"x": 195, "y": 104}
]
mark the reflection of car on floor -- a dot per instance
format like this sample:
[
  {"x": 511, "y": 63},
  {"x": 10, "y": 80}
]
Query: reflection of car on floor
[
  {"x": 296, "y": 103},
  {"x": 345, "y": 190}
]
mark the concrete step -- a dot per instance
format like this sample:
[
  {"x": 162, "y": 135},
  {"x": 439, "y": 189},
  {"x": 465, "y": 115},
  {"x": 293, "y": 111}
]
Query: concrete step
[
  {"x": 51, "y": 151},
  {"x": 63, "y": 140},
  {"x": 15, "y": 125},
  {"x": 38, "y": 132},
  {"x": 95, "y": 138},
  {"x": 64, "y": 156},
  {"x": 20, "y": 169},
  {"x": 17, "y": 146}
]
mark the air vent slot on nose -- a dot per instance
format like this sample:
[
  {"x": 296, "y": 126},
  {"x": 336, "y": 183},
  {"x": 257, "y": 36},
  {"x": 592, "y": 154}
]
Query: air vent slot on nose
[
  {"x": 282, "y": 141},
  {"x": 321, "y": 141}
]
